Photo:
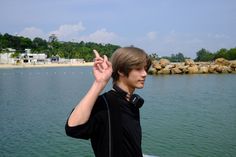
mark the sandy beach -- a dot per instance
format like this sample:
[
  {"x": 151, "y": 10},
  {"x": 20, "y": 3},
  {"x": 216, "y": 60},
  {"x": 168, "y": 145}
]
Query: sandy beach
[{"x": 45, "y": 65}]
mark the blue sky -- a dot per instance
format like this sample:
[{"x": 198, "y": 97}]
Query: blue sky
[{"x": 164, "y": 27}]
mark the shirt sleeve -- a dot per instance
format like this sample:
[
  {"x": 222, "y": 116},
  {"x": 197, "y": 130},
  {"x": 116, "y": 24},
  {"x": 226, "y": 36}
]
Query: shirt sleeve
[{"x": 86, "y": 130}]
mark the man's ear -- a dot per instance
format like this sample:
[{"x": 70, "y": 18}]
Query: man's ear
[{"x": 120, "y": 73}]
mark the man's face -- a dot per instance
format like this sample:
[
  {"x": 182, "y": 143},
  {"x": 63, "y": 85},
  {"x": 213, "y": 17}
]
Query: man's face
[{"x": 136, "y": 78}]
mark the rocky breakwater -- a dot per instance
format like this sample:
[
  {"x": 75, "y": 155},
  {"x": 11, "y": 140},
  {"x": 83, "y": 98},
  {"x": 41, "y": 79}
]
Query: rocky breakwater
[{"x": 220, "y": 65}]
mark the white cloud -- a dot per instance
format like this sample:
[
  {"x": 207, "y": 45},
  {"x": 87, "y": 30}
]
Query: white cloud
[
  {"x": 100, "y": 36},
  {"x": 221, "y": 36},
  {"x": 218, "y": 36},
  {"x": 32, "y": 32},
  {"x": 193, "y": 41},
  {"x": 151, "y": 35},
  {"x": 68, "y": 32},
  {"x": 171, "y": 37}
]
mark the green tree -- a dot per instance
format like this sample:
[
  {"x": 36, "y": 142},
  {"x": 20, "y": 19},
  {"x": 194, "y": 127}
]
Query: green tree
[
  {"x": 204, "y": 55},
  {"x": 6, "y": 41},
  {"x": 24, "y": 43},
  {"x": 39, "y": 44},
  {"x": 222, "y": 53},
  {"x": 52, "y": 38},
  {"x": 17, "y": 42},
  {"x": 179, "y": 57},
  {"x": 154, "y": 56},
  {"x": 16, "y": 54},
  {"x": 53, "y": 47},
  {"x": 232, "y": 54}
]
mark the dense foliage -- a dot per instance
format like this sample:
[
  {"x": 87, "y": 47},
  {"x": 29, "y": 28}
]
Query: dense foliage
[
  {"x": 202, "y": 55},
  {"x": 54, "y": 47},
  {"x": 179, "y": 57},
  {"x": 205, "y": 55},
  {"x": 83, "y": 50}
]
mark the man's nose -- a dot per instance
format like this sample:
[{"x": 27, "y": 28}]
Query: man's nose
[{"x": 144, "y": 72}]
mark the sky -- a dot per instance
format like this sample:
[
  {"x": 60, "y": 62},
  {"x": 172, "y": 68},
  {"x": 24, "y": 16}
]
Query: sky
[{"x": 163, "y": 27}]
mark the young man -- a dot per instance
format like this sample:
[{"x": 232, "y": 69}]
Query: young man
[{"x": 111, "y": 120}]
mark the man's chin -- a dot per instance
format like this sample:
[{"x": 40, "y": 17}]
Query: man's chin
[{"x": 140, "y": 86}]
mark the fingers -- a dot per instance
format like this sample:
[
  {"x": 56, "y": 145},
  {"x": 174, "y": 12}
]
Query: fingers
[
  {"x": 97, "y": 66},
  {"x": 98, "y": 56},
  {"x": 96, "y": 53},
  {"x": 101, "y": 63},
  {"x": 108, "y": 64},
  {"x": 105, "y": 58}
]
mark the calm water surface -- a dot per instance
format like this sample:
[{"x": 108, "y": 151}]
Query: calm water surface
[{"x": 183, "y": 115}]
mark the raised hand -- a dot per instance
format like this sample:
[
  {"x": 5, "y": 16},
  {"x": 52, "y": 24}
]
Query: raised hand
[{"x": 102, "y": 68}]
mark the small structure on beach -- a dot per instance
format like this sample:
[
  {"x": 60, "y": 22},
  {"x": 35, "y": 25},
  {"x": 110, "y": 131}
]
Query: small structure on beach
[
  {"x": 11, "y": 57},
  {"x": 55, "y": 59},
  {"x": 6, "y": 56},
  {"x": 28, "y": 57}
]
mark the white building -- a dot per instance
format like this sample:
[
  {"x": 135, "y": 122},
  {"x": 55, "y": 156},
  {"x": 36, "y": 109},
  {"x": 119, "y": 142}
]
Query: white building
[
  {"x": 33, "y": 58},
  {"x": 5, "y": 58}
]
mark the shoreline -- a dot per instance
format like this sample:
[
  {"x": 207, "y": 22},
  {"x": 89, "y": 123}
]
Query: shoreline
[{"x": 9, "y": 66}]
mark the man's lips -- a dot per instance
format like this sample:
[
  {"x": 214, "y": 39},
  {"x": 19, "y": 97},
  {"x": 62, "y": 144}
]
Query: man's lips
[{"x": 142, "y": 81}]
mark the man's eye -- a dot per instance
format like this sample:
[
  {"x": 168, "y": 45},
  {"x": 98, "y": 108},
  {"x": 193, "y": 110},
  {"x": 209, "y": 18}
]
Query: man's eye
[{"x": 139, "y": 69}]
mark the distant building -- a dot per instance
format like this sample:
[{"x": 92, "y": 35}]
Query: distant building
[
  {"x": 33, "y": 58},
  {"x": 5, "y": 58},
  {"x": 27, "y": 51},
  {"x": 76, "y": 61},
  {"x": 55, "y": 59},
  {"x": 29, "y": 58},
  {"x": 9, "y": 50}
]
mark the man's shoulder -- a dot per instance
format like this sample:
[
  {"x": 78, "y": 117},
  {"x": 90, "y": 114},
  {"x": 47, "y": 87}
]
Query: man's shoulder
[
  {"x": 110, "y": 93},
  {"x": 99, "y": 104}
]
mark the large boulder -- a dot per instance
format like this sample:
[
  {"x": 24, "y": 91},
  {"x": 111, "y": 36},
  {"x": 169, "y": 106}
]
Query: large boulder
[
  {"x": 164, "y": 62},
  {"x": 156, "y": 66},
  {"x": 223, "y": 69},
  {"x": 233, "y": 64},
  {"x": 170, "y": 66},
  {"x": 154, "y": 62},
  {"x": 189, "y": 62},
  {"x": 176, "y": 70},
  {"x": 182, "y": 67},
  {"x": 203, "y": 69},
  {"x": 152, "y": 71},
  {"x": 227, "y": 69},
  {"x": 212, "y": 68},
  {"x": 193, "y": 69},
  {"x": 222, "y": 62},
  {"x": 164, "y": 71}
]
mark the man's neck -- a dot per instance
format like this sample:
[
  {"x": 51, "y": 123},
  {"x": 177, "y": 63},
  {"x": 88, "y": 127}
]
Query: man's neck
[{"x": 125, "y": 87}]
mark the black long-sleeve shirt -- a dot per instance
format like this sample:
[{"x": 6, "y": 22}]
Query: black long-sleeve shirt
[{"x": 125, "y": 127}]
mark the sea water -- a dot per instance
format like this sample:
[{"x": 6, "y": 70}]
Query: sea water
[{"x": 183, "y": 115}]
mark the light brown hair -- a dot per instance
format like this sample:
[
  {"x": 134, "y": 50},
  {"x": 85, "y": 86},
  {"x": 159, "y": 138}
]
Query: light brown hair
[{"x": 127, "y": 58}]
